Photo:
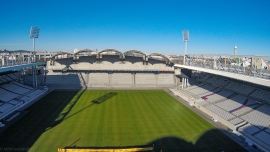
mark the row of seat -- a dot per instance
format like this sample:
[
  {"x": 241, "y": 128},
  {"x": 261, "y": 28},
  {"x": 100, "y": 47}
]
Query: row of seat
[
  {"x": 236, "y": 121},
  {"x": 263, "y": 137},
  {"x": 261, "y": 95},
  {"x": 14, "y": 88},
  {"x": 31, "y": 95},
  {"x": 83, "y": 79},
  {"x": 237, "y": 103},
  {"x": 11, "y": 106},
  {"x": 5, "y": 107},
  {"x": 249, "y": 129},
  {"x": 230, "y": 104},
  {"x": 7, "y": 95},
  {"x": 9, "y": 77},
  {"x": 216, "y": 95},
  {"x": 236, "y": 87},
  {"x": 239, "y": 106},
  {"x": 220, "y": 112},
  {"x": 122, "y": 79},
  {"x": 219, "y": 81},
  {"x": 203, "y": 89},
  {"x": 259, "y": 117}
]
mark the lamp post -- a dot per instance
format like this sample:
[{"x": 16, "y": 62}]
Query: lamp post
[
  {"x": 185, "y": 34},
  {"x": 34, "y": 33}
]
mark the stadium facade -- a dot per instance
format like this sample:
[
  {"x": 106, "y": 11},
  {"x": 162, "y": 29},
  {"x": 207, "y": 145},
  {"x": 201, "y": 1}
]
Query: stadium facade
[{"x": 110, "y": 68}]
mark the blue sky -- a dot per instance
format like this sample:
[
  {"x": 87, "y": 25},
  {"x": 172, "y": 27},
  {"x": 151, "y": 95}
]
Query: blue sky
[{"x": 215, "y": 26}]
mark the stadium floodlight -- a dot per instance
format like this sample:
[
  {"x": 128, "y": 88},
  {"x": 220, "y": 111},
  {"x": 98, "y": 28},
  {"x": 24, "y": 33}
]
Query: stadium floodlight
[
  {"x": 34, "y": 33},
  {"x": 185, "y": 34}
]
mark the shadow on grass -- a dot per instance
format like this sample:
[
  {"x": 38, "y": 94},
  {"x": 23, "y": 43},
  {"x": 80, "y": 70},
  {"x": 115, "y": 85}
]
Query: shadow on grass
[
  {"x": 45, "y": 114},
  {"x": 211, "y": 141},
  {"x": 104, "y": 98},
  {"x": 93, "y": 102},
  {"x": 42, "y": 116}
]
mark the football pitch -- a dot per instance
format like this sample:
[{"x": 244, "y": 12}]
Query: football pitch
[{"x": 112, "y": 118}]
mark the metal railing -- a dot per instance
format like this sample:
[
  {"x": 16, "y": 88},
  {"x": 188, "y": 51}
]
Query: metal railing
[{"x": 247, "y": 65}]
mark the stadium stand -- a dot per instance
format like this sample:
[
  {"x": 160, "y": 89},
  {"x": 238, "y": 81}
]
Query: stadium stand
[
  {"x": 261, "y": 95},
  {"x": 15, "y": 88},
  {"x": 73, "y": 79},
  {"x": 220, "y": 112},
  {"x": 7, "y": 95},
  {"x": 217, "y": 95},
  {"x": 145, "y": 79},
  {"x": 263, "y": 137},
  {"x": 239, "y": 106},
  {"x": 236, "y": 87},
  {"x": 218, "y": 81},
  {"x": 165, "y": 79},
  {"x": 6, "y": 107},
  {"x": 267, "y": 130},
  {"x": 250, "y": 129},
  {"x": 31, "y": 95},
  {"x": 203, "y": 89},
  {"x": 98, "y": 79},
  {"x": 14, "y": 96},
  {"x": 233, "y": 103},
  {"x": 7, "y": 78},
  {"x": 122, "y": 79},
  {"x": 54, "y": 79},
  {"x": 236, "y": 121},
  {"x": 13, "y": 76},
  {"x": 21, "y": 85},
  {"x": 259, "y": 117}
]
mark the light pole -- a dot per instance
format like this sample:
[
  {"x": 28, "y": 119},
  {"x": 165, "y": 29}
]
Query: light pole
[
  {"x": 34, "y": 33},
  {"x": 185, "y": 34}
]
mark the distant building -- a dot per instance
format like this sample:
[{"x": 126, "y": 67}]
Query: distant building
[{"x": 259, "y": 63}]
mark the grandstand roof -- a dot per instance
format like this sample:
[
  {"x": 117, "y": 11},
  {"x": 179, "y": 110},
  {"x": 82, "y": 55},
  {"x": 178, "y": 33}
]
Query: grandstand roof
[
  {"x": 255, "y": 80},
  {"x": 17, "y": 67},
  {"x": 85, "y": 50},
  {"x": 110, "y": 50},
  {"x": 61, "y": 53},
  {"x": 161, "y": 55},
  {"x": 134, "y": 51}
]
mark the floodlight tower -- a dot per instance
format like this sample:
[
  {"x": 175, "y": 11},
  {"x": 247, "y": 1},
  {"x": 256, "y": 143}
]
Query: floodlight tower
[
  {"x": 34, "y": 33},
  {"x": 185, "y": 34}
]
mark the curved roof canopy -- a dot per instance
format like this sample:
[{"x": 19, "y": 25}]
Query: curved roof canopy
[
  {"x": 161, "y": 55},
  {"x": 110, "y": 50},
  {"x": 59, "y": 53},
  {"x": 127, "y": 53},
  {"x": 85, "y": 50},
  {"x": 134, "y": 51}
]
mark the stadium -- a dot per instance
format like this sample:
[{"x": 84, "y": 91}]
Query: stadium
[{"x": 132, "y": 101}]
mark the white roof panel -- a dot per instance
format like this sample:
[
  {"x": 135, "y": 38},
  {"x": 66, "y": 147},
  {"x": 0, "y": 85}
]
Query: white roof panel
[{"x": 255, "y": 80}]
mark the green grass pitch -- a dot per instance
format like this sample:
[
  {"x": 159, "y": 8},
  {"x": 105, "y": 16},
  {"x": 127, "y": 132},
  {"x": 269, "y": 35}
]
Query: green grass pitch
[{"x": 114, "y": 118}]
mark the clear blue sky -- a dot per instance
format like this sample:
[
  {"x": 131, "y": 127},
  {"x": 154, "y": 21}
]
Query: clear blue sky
[{"x": 215, "y": 26}]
